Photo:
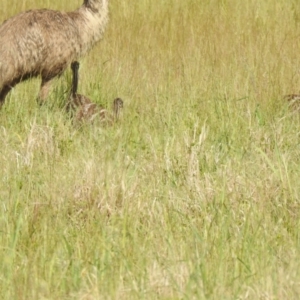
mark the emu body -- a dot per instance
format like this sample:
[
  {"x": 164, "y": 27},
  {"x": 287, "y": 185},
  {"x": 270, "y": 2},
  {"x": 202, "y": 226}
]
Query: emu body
[
  {"x": 293, "y": 100},
  {"x": 92, "y": 112},
  {"x": 44, "y": 42}
]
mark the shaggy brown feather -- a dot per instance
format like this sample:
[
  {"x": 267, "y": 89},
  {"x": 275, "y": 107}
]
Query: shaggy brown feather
[
  {"x": 91, "y": 112},
  {"x": 44, "y": 42}
]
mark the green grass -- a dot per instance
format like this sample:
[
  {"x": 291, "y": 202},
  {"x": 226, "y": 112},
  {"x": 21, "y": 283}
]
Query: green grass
[{"x": 194, "y": 195}]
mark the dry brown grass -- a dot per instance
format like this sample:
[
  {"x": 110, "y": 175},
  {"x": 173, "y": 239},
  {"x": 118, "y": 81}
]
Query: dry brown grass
[{"x": 194, "y": 195}]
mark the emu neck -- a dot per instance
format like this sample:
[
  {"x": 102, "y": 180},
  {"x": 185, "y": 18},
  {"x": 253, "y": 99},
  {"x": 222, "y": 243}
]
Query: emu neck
[
  {"x": 117, "y": 112},
  {"x": 90, "y": 19}
]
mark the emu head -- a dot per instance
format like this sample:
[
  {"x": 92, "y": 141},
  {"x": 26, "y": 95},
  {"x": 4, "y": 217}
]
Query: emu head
[
  {"x": 118, "y": 105},
  {"x": 96, "y": 5}
]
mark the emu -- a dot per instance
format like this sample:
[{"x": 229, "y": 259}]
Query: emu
[
  {"x": 294, "y": 100},
  {"x": 92, "y": 112},
  {"x": 44, "y": 42},
  {"x": 85, "y": 109}
]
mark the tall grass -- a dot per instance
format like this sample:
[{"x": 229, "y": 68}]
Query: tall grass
[{"x": 194, "y": 194}]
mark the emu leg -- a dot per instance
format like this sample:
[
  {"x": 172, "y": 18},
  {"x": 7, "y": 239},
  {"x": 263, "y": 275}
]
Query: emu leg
[
  {"x": 44, "y": 90},
  {"x": 3, "y": 93}
]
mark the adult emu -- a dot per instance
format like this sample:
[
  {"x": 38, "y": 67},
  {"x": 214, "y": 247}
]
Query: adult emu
[{"x": 44, "y": 42}]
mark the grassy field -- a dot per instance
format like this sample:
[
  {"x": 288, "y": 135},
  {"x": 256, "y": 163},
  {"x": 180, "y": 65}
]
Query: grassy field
[{"x": 195, "y": 194}]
